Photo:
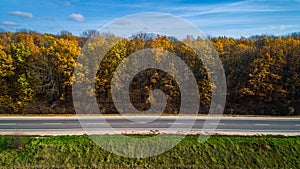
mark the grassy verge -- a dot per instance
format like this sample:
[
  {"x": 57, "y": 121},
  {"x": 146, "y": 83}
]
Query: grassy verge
[{"x": 216, "y": 152}]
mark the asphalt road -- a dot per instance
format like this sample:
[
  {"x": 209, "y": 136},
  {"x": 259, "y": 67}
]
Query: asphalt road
[{"x": 71, "y": 125}]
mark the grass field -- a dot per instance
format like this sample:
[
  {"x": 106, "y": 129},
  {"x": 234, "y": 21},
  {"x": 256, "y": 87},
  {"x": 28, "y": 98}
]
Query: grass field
[{"x": 216, "y": 152}]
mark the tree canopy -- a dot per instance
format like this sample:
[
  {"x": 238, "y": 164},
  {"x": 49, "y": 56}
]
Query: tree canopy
[{"x": 36, "y": 72}]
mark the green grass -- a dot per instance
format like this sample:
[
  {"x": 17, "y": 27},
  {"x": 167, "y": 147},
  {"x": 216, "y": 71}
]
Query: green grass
[{"x": 216, "y": 152}]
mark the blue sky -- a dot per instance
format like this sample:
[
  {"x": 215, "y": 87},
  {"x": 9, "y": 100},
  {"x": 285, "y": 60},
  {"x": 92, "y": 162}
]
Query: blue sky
[{"x": 213, "y": 17}]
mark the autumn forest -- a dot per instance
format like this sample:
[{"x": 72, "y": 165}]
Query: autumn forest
[{"x": 36, "y": 73}]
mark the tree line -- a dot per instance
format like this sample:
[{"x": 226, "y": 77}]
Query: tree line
[{"x": 36, "y": 73}]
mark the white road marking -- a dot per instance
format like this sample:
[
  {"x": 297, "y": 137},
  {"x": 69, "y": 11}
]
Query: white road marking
[
  {"x": 160, "y": 129},
  {"x": 259, "y": 124},
  {"x": 174, "y": 123},
  {"x": 297, "y": 124},
  {"x": 97, "y": 123},
  {"x": 220, "y": 124},
  {"x": 8, "y": 124},
  {"x": 52, "y": 123},
  {"x": 139, "y": 123}
]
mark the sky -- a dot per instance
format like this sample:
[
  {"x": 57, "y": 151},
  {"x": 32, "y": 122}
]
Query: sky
[{"x": 233, "y": 18}]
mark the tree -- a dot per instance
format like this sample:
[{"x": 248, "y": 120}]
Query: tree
[
  {"x": 264, "y": 81},
  {"x": 89, "y": 33},
  {"x": 62, "y": 55},
  {"x": 6, "y": 71}
]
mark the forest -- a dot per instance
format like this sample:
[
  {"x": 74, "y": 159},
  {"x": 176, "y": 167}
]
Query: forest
[{"x": 36, "y": 73}]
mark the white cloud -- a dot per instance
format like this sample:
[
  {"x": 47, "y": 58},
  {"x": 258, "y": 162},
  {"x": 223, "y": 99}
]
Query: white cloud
[
  {"x": 280, "y": 27},
  {"x": 49, "y": 19},
  {"x": 77, "y": 17},
  {"x": 21, "y": 14},
  {"x": 283, "y": 27},
  {"x": 11, "y": 24},
  {"x": 122, "y": 22},
  {"x": 236, "y": 7},
  {"x": 67, "y": 3}
]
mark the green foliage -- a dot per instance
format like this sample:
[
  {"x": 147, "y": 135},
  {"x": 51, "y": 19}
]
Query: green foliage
[
  {"x": 16, "y": 89},
  {"x": 6, "y": 63}
]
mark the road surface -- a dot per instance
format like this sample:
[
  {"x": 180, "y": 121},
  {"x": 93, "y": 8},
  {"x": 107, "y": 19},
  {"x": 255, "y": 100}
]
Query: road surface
[{"x": 58, "y": 125}]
